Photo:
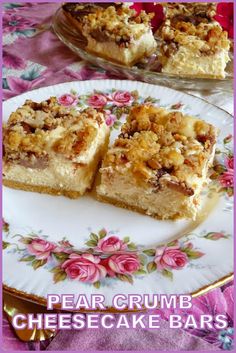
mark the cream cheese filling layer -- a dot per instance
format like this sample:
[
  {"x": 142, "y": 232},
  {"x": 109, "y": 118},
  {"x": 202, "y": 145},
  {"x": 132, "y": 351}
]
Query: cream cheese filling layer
[
  {"x": 145, "y": 45},
  {"x": 188, "y": 62},
  {"x": 61, "y": 172}
]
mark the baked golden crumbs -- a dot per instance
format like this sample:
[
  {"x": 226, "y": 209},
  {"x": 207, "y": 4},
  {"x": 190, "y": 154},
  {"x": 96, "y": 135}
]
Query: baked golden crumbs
[
  {"x": 117, "y": 24},
  {"x": 175, "y": 34},
  {"x": 195, "y": 10},
  {"x": 35, "y": 130},
  {"x": 154, "y": 142}
]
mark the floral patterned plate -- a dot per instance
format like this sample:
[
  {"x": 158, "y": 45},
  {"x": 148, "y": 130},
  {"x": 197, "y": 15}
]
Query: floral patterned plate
[{"x": 58, "y": 245}]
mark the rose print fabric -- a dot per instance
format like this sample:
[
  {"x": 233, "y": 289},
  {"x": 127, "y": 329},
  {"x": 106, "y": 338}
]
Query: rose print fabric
[{"x": 33, "y": 57}]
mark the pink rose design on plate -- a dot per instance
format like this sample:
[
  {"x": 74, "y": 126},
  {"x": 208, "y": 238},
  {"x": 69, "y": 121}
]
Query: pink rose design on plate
[
  {"x": 41, "y": 248},
  {"x": 84, "y": 268},
  {"x": 109, "y": 118},
  {"x": 227, "y": 179},
  {"x": 65, "y": 244},
  {"x": 68, "y": 100},
  {"x": 111, "y": 244},
  {"x": 123, "y": 264},
  {"x": 215, "y": 236},
  {"x": 229, "y": 162},
  {"x": 170, "y": 258},
  {"x": 121, "y": 98},
  {"x": 228, "y": 138},
  {"x": 97, "y": 101}
]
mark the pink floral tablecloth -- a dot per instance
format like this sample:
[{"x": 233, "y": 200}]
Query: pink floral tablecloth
[{"x": 33, "y": 57}]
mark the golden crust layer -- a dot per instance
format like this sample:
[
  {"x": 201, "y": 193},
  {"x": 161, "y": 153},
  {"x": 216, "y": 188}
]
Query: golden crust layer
[
  {"x": 41, "y": 189},
  {"x": 126, "y": 206}
]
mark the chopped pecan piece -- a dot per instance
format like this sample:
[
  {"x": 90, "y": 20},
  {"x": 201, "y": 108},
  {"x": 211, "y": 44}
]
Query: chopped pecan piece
[
  {"x": 27, "y": 128},
  {"x": 153, "y": 163},
  {"x": 180, "y": 187}
]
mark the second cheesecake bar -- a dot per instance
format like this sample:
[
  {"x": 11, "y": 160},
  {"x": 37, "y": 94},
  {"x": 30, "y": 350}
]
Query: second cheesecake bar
[{"x": 158, "y": 165}]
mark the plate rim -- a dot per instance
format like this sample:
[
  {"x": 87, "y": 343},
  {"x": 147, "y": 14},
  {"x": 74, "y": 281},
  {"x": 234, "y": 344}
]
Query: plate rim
[
  {"x": 119, "y": 80},
  {"x": 42, "y": 301}
]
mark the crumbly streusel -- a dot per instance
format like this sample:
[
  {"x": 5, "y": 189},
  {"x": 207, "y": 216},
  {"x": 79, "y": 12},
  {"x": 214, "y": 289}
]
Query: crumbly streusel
[
  {"x": 155, "y": 142},
  {"x": 205, "y": 11},
  {"x": 119, "y": 24},
  {"x": 213, "y": 35},
  {"x": 35, "y": 130}
]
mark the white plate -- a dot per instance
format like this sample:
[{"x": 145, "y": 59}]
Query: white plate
[{"x": 34, "y": 247}]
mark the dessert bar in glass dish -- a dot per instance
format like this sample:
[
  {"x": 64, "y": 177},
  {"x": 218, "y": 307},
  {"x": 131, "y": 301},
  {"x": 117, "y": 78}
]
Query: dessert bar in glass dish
[
  {"x": 189, "y": 51},
  {"x": 191, "y": 42},
  {"x": 159, "y": 163},
  {"x": 116, "y": 33},
  {"x": 49, "y": 148}
]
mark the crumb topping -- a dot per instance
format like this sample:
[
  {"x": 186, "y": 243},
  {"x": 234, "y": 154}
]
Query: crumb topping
[
  {"x": 157, "y": 145},
  {"x": 79, "y": 10},
  {"x": 191, "y": 25},
  {"x": 195, "y": 9},
  {"x": 36, "y": 130},
  {"x": 207, "y": 37},
  {"x": 121, "y": 25}
]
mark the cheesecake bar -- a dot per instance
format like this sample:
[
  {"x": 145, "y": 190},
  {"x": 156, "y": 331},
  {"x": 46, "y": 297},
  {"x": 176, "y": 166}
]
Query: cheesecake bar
[
  {"x": 53, "y": 149},
  {"x": 119, "y": 34},
  {"x": 159, "y": 163},
  {"x": 192, "y": 43}
]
